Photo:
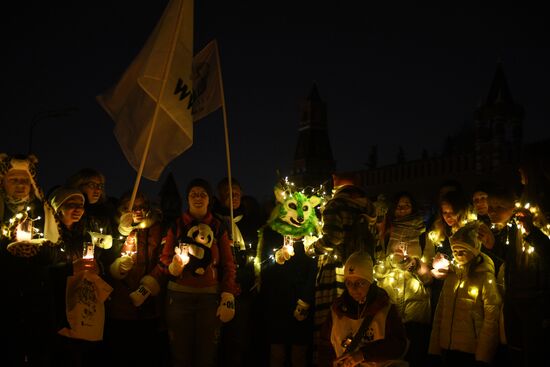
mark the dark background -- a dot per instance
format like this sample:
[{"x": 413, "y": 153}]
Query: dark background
[{"x": 392, "y": 75}]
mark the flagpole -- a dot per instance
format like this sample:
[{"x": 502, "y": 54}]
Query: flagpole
[
  {"x": 227, "y": 154},
  {"x": 157, "y": 106}
]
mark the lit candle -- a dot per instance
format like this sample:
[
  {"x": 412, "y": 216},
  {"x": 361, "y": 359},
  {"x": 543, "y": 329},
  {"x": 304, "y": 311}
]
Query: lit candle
[
  {"x": 183, "y": 253},
  {"x": 24, "y": 235},
  {"x": 129, "y": 248},
  {"x": 88, "y": 250}
]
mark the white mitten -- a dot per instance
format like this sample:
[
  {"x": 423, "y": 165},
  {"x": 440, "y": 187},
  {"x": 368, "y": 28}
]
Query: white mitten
[
  {"x": 149, "y": 286},
  {"x": 140, "y": 295},
  {"x": 226, "y": 309},
  {"x": 121, "y": 266},
  {"x": 301, "y": 311},
  {"x": 125, "y": 225},
  {"x": 104, "y": 241}
]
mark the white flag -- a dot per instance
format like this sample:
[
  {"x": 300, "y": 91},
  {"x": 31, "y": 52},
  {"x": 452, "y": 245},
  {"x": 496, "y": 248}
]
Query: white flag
[
  {"x": 206, "y": 82},
  {"x": 132, "y": 102}
]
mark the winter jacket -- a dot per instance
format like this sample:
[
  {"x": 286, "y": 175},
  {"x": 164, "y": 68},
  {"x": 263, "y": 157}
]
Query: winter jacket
[
  {"x": 384, "y": 342},
  {"x": 348, "y": 222},
  {"x": 467, "y": 314},
  {"x": 406, "y": 288},
  {"x": 219, "y": 270},
  {"x": 147, "y": 237}
]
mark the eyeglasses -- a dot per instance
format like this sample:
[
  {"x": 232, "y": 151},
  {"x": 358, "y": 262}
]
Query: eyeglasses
[
  {"x": 355, "y": 284},
  {"x": 139, "y": 208},
  {"x": 196, "y": 195},
  {"x": 95, "y": 186}
]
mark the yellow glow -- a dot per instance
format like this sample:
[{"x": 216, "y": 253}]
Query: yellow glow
[
  {"x": 19, "y": 215},
  {"x": 490, "y": 281},
  {"x": 527, "y": 206},
  {"x": 530, "y": 249},
  {"x": 461, "y": 284},
  {"x": 473, "y": 292},
  {"x": 415, "y": 285}
]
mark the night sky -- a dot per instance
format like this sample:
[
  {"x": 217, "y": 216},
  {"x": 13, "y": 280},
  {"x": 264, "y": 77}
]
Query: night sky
[{"x": 392, "y": 75}]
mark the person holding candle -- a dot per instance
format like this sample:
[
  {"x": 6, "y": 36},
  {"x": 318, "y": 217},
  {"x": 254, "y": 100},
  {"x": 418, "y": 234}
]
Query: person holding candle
[
  {"x": 129, "y": 264},
  {"x": 26, "y": 292},
  {"x": 78, "y": 290},
  {"x": 363, "y": 327},
  {"x": 201, "y": 280},
  {"x": 465, "y": 327},
  {"x": 524, "y": 278},
  {"x": 100, "y": 211},
  {"x": 405, "y": 273}
]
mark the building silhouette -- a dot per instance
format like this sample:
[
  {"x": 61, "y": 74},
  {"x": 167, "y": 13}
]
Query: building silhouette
[
  {"x": 490, "y": 150},
  {"x": 313, "y": 159}
]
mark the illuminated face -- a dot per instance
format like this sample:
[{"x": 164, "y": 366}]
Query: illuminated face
[
  {"x": 198, "y": 201},
  {"x": 462, "y": 256},
  {"x": 92, "y": 189},
  {"x": 139, "y": 211},
  {"x": 500, "y": 210},
  {"x": 72, "y": 210},
  {"x": 448, "y": 214},
  {"x": 480, "y": 202},
  {"x": 17, "y": 184},
  {"x": 403, "y": 208},
  {"x": 224, "y": 196},
  {"x": 357, "y": 288}
]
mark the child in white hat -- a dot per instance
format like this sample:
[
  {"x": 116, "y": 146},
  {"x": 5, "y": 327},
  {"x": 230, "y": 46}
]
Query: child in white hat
[
  {"x": 465, "y": 325},
  {"x": 364, "y": 328}
]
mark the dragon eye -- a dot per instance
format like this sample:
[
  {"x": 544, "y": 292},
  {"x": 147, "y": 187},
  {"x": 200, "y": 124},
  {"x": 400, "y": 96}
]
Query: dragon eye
[
  {"x": 305, "y": 208},
  {"x": 292, "y": 206}
]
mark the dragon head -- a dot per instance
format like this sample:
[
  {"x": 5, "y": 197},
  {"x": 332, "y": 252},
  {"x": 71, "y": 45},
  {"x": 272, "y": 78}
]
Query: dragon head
[{"x": 294, "y": 214}]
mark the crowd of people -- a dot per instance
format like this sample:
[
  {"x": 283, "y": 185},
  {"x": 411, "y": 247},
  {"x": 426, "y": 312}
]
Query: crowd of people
[{"x": 89, "y": 279}]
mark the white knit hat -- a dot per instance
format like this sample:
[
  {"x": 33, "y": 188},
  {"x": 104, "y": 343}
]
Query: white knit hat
[
  {"x": 61, "y": 195},
  {"x": 359, "y": 264},
  {"x": 467, "y": 238}
]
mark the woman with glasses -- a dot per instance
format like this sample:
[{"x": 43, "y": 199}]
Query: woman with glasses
[
  {"x": 364, "y": 327},
  {"x": 198, "y": 262},
  {"x": 100, "y": 213}
]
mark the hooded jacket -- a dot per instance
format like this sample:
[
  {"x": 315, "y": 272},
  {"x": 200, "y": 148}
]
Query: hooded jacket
[{"x": 467, "y": 314}]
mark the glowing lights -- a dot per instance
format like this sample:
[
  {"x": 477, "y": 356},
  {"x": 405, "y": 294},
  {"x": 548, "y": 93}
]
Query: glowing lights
[{"x": 473, "y": 292}]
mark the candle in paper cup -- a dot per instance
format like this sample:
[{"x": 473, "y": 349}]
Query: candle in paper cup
[
  {"x": 88, "y": 250},
  {"x": 24, "y": 231}
]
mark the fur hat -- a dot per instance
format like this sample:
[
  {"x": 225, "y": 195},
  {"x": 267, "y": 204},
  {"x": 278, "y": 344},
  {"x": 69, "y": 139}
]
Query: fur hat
[
  {"x": 21, "y": 163},
  {"x": 467, "y": 238},
  {"x": 359, "y": 264},
  {"x": 199, "y": 182},
  {"x": 62, "y": 194}
]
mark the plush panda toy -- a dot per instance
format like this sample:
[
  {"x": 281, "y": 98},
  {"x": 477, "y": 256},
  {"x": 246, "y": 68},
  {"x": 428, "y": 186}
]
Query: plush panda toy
[{"x": 199, "y": 242}]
